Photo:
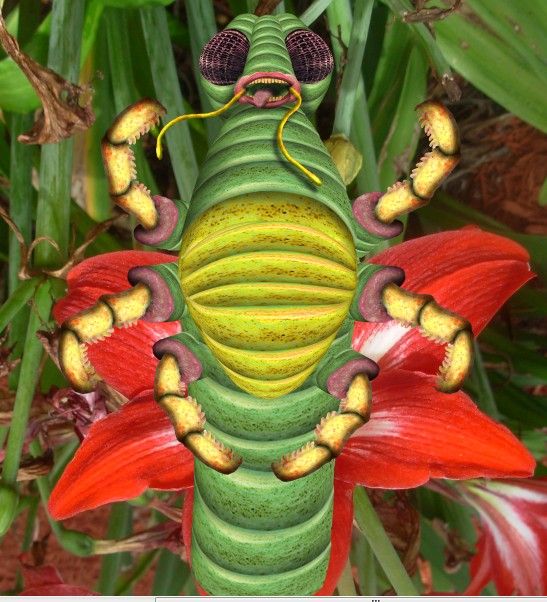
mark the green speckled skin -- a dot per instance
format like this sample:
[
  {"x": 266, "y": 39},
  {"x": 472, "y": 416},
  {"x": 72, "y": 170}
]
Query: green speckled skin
[{"x": 253, "y": 534}]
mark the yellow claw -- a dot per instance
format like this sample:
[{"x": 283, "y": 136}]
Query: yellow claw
[
  {"x": 440, "y": 126},
  {"x": 74, "y": 363},
  {"x": 188, "y": 419},
  {"x": 135, "y": 121},
  {"x": 431, "y": 170},
  {"x": 438, "y": 323},
  {"x": 119, "y": 161},
  {"x": 94, "y": 324},
  {"x": 331, "y": 433},
  {"x": 212, "y": 453},
  {"x": 458, "y": 360},
  {"x": 301, "y": 462}
]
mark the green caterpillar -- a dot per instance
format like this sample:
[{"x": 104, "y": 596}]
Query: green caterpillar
[{"x": 269, "y": 282}]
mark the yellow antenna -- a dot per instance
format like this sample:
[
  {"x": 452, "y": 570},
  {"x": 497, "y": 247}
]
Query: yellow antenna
[
  {"x": 234, "y": 99},
  {"x": 281, "y": 145}
]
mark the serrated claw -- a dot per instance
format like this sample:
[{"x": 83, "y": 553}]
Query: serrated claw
[
  {"x": 457, "y": 363},
  {"x": 437, "y": 324},
  {"x": 331, "y": 433},
  {"x": 302, "y": 462},
  {"x": 440, "y": 126},
  {"x": 135, "y": 121},
  {"x": 74, "y": 363},
  {"x": 430, "y": 171},
  {"x": 96, "y": 324},
  {"x": 119, "y": 161},
  {"x": 212, "y": 453}
]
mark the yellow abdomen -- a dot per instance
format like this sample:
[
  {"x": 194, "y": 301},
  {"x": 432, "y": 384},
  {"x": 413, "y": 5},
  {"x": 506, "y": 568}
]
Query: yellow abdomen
[{"x": 268, "y": 279}]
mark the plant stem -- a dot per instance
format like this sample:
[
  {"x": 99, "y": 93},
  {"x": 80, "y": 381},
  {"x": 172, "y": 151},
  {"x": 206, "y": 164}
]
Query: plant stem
[
  {"x": 346, "y": 585},
  {"x": 53, "y": 211},
  {"x": 352, "y": 71},
  {"x": 366, "y": 567},
  {"x": 314, "y": 11},
  {"x": 16, "y": 301},
  {"x": 32, "y": 355},
  {"x": 143, "y": 564},
  {"x": 428, "y": 43},
  {"x": 166, "y": 85},
  {"x": 119, "y": 526},
  {"x": 371, "y": 526},
  {"x": 75, "y": 542},
  {"x": 485, "y": 396},
  {"x": 354, "y": 121},
  {"x": 170, "y": 575}
]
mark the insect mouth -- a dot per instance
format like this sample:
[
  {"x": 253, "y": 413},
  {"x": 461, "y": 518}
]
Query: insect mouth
[{"x": 267, "y": 90}]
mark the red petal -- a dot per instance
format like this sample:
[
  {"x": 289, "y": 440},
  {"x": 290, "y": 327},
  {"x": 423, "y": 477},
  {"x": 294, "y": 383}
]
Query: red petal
[
  {"x": 108, "y": 274},
  {"x": 512, "y": 549},
  {"x": 417, "y": 433},
  {"x": 340, "y": 534},
  {"x": 342, "y": 521},
  {"x": 62, "y": 589},
  {"x": 46, "y": 581},
  {"x": 468, "y": 271},
  {"x": 480, "y": 568},
  {"x": 122, "y": 455}
]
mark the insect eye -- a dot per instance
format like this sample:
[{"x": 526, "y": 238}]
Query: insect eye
[
  {"x": 310, "y": 56},
  {"x": 223, "y": 59}
]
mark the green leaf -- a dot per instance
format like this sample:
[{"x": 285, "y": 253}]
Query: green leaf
[
  {"x": 399, "y": 147},
  {"x": 494, "y": 68},
  {"x": 16, "y": 301},
  {"x": 135, "y": 3},
  {"x": 542, "y": 199},
  {"x": 16, "y": 93},
  {"x": 389, "y": 78}
]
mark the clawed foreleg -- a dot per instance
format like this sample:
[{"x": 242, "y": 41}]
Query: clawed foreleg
[
  {"x": 94, "y": 324},
  {"x": 439, "y": 324},
  {"x": 331, "y": 433},
  {"x": 161, "y": 219},
  {"x": 188, "y": 420},
  {"x": 377, "y": 213}
]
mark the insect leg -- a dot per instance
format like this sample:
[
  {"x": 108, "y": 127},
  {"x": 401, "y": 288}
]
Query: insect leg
[
  {"x": 331, "y": 433},
  {"x": 377, "y": 213},
  {"x": 178, "y": 366},
  {"x": 155, "y": 297},
  {"x": 161, "y": 219},
  {"x": 382, "y": 298}
]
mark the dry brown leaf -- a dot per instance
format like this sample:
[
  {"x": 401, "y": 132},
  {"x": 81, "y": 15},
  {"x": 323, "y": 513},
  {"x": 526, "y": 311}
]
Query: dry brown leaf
[{"x": 66, "y": 107}]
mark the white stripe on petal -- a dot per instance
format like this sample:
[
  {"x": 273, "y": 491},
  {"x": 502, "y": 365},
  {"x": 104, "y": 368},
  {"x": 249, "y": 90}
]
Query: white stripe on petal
[{"x": 381, "y": 341}]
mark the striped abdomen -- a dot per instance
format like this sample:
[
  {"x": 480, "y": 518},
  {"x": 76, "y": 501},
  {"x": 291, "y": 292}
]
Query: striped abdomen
[{"x": 268, "y": 279}]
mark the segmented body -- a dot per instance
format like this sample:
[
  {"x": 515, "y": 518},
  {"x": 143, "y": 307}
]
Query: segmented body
[
  {"x": 268, "y": 273},
  {"x": 262, "y": 384}
]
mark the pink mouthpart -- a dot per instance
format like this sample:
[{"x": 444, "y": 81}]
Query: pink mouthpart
[{"x": 258, "y": 98}]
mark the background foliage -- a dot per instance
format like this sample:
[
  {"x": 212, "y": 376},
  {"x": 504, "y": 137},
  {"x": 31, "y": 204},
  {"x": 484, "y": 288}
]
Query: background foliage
[{"x": 486, "y": 60}]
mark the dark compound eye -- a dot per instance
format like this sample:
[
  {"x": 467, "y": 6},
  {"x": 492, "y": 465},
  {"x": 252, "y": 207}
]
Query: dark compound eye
[
  {"x": 223, "y": 59},
  {"x": 310, "y": 56}
]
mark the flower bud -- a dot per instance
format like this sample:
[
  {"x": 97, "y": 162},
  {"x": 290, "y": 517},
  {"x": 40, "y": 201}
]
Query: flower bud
[{"x": 346, "y": 157}]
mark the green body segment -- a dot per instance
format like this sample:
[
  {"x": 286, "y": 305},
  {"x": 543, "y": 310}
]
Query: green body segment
[
  {"x": 268, "y": 273},
  {"x": 253, "y": 534}
]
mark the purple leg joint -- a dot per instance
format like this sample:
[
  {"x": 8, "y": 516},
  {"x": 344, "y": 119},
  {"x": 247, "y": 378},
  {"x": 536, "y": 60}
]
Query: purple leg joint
[
  {"x": 168, "y": 216},
  {"x": 189, "y": 365},
  {"x": 340, "y": 380},
  {"x": 370, "y": 303},
  {"x": 363, "y": 210},
  {"x": 162, "y": 305}
]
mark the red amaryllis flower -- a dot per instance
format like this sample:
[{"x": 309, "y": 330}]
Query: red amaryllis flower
[
  {"x": 512, "y": 546},
  {"x": 46, "y": 581},
  {"x": 415, "y": 432}
]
